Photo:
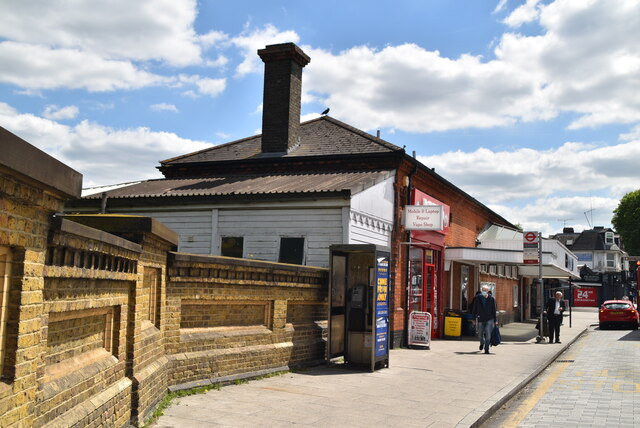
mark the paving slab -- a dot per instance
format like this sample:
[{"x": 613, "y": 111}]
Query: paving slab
[{"x": 450, "y": 385}]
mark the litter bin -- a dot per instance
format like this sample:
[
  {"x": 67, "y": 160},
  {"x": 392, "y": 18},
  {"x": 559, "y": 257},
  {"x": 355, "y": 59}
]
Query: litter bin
[
  {"x": 468, "y": 327},
  {"x": 452, "y": 324}
]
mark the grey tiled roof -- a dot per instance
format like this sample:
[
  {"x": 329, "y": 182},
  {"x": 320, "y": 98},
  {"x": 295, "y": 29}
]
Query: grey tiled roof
[
  {"x": 324, "y": 136},
  {"x": 255, "y": 184}
]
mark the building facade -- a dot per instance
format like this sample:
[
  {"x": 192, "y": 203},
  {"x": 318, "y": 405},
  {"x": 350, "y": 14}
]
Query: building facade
[
  {"x": 289, "y": 193},
  {"x": 604, "y": 265}
]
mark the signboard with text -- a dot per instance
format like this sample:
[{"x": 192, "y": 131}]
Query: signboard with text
[
  {"x": 382, "y": 307},
  {"x": 420, "y": 328},
  {"x": 530, "y": 243},
  {"x": 585, "y": 297},
  {"x": 424, "y": 217}
]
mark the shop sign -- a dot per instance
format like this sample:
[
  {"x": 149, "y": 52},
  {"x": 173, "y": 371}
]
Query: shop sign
[
  {"x": 585, "y": 297},
  {"x": 420, "y": 328},
  {"x": 424, "y": 217},
  {"x": 382, "y": 307}
]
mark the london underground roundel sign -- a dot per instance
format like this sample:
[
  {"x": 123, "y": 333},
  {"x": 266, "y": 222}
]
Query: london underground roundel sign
[{"x": 530, "y": 237}]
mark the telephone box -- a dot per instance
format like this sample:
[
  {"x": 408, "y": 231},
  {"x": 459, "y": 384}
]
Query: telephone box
[{"x": 359, "y": 305}]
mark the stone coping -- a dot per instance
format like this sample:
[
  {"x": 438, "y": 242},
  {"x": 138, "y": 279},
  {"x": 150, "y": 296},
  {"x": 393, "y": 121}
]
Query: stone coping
[{"x": 34, "y": 165}]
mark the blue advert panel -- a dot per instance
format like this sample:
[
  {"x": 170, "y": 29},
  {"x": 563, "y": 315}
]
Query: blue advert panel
[{"x": 382, "y": 307}]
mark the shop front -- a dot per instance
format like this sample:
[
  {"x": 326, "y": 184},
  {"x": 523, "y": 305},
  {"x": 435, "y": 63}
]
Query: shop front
[{"x": 426, "y": 265}]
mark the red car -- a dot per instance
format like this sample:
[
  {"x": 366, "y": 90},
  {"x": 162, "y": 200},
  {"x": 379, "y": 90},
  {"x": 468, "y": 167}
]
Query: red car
[{"x": 618, "y": 312}]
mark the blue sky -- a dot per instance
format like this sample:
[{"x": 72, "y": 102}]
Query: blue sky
[{"x": 530, "y": 106}]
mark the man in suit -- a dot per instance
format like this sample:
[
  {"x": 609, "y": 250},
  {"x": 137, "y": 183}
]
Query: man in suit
[{"x": 554, "y": 309}]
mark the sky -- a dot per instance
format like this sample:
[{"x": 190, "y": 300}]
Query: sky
[{"x": 530, "y": 106}]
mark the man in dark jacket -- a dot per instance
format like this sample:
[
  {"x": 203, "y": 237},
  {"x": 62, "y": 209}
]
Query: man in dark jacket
[
  {"x": 484, "y": 310},
  {"x": 554, "y": 309}
]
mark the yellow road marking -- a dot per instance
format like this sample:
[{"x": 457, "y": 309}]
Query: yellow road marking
[
  {"x": 527, "y": 405},
  {"x": 617, "y": 387}
]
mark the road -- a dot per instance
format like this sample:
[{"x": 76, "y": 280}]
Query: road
[{"x": 594, "y": 383}]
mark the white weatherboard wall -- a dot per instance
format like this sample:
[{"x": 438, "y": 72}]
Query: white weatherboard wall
[
  {"x": 262, "y": 230},
  {"x": 370, "y": 217},
  {"x": 193, "y": 227}
]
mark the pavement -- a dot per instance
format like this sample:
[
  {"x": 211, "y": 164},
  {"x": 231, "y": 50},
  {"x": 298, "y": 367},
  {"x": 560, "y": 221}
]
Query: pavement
[
  {"x": 452, "y": 384},
  {"x": 595, "y": 383}
]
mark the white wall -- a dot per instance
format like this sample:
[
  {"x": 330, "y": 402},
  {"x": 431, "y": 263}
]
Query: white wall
[
  {"x": 371, "y": 215},
  {"x": 262, "y": 230},
  {"x": 193, "y": 227}
]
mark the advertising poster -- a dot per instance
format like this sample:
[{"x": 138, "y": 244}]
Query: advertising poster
[
  {"x": 585, "y": 297},
  {"x": 382, "y": 307},
  {"x": 420, "y": 328}
]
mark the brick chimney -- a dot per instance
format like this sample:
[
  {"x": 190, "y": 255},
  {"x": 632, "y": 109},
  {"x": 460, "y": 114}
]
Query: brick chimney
[{"x": 283, "y": 65}]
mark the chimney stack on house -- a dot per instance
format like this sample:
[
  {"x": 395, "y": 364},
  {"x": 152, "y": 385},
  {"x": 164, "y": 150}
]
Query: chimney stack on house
[{"x": 283, "y": 65}]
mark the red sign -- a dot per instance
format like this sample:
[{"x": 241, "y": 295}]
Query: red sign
[{"x": 585, "y": 297}]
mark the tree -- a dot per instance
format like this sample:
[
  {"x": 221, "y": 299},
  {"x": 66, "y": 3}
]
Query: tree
[{"x": 626, "y": 221}]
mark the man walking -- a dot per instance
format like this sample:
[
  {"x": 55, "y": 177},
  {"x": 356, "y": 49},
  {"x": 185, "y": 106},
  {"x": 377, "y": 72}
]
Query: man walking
[
  {"x": 484, "y": 310},
  {"x": 554, "y": 310}
]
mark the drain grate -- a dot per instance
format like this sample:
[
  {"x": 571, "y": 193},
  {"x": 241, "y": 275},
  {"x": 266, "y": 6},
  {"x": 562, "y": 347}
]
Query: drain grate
[{"x": 565, "y": 361}]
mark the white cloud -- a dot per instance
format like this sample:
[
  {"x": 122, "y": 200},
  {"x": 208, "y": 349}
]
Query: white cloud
[
  {"x": 212, "y": 38},
  {"x": 549, "y": 215},
  {"x": 119, "y": 29},
  {"x": 54, "y": 112},
  {"x": 39, "y": 67},
  {"x": 102, "y": 46},
  {"x": 586, "y": 61},
  {"x": 164, "y": 107},
  {"x": 509, "y": 176},
  {"x": 633, "y": 134},
  {"x": 250, "y": 41},
  {"x": 102, "y": 154},
  {"x": 500, "y": 6},
  {"x": 530, "y": 186},
  {"x": 523, "y": 14},
  {"x": 204, "y": 85}
]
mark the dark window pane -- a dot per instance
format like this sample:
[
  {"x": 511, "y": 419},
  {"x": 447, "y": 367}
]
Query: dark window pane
[
  {"x": 231, "y": 246},
  {"x": 291, "y": 250}
]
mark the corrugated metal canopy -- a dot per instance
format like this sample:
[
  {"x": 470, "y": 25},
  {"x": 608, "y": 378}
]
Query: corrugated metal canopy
[{"x": 257, "y": 184}]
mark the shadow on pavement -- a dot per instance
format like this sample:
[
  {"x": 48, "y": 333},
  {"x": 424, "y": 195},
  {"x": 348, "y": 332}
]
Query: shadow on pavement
[{"x": 632, "y": 335}]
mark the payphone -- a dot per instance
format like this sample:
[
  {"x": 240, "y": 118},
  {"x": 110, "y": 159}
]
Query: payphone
[{"x": 359, "y": 305}]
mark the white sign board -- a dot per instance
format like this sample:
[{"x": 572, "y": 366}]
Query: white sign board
[
  {"x": 424, "y": 217},
  {"x": 420, "y": 328},
  {"x": 530, "y": 243}
]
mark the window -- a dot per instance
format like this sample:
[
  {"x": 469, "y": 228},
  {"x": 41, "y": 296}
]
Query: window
[
  {"x": 5, "y": 278},
  {"x": 507, "y": 271},
  {"x": 232, "y": 246},
  {"x": 608, "y": 238},
  {"x": 291, "y": 251},
  {"x": 493, "y": 269},
  {"x": 514, "y": 271},
  {"x": 611, "y": 260},
  {"x": 501, "y": 270},
  {"x": 483, "y": 268}
]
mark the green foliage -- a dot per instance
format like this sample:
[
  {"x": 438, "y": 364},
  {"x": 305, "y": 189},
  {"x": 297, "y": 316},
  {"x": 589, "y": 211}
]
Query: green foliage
[
  {"x": 626, "y": 221},
  {"x": 168, "y": 398}
]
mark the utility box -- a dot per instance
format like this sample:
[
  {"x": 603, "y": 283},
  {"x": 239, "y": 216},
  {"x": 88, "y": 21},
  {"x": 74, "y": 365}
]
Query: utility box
[{"x": 359, "y": 305}]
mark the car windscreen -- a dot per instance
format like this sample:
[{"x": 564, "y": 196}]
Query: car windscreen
[{"x": 616, "y": 306}]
